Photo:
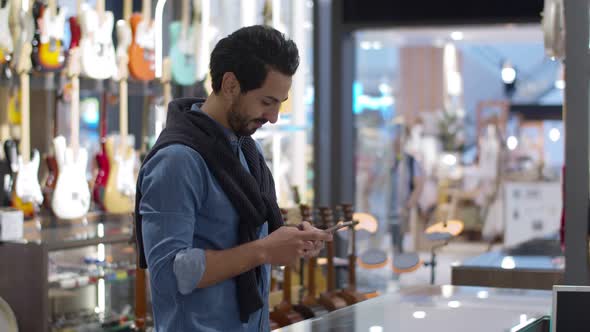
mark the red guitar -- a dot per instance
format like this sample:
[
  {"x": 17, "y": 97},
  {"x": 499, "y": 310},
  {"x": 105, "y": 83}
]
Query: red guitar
[{"x": 102, "y": 159}]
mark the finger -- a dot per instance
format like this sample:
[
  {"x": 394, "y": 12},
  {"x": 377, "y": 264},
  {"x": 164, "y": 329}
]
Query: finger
[
  {"x": 306, "y": 226},
  {"x": 318, "y": 245},
  {"x": 308, "y": 245},
  {"x": 315, "y": 235}
]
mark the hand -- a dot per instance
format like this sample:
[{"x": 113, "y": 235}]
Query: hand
[
  {"x": 317, "y": 245},
  {"x": 287, "y": 244}
]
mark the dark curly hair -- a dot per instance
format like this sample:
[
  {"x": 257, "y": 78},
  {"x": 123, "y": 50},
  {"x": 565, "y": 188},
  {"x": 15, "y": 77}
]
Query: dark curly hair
[{"x": 250, "y": 53}]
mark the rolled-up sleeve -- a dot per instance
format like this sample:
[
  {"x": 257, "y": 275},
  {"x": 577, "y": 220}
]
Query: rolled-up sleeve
[{"x": 172, "y": 187}]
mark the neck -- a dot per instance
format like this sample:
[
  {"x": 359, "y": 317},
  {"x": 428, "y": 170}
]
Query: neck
[{"x": 217, "y": 109}]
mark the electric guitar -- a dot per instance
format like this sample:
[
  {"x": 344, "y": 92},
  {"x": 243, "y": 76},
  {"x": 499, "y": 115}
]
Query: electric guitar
[
  {"x": 102, "y": 160},
  {"x": 49, "y": 51},
  {"x": 120, "y": 188},
  {"x": 183, "y": 52},
  {"x": 98, "y": 52},
  {"x": 141, "y": 50},
  {"x": 27, "y": 191},
  {"x": 71, "y": 198},
  {"x": 6, "y": 45}
]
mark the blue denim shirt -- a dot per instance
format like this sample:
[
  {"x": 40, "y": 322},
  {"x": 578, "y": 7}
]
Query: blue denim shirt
[{"x": 185, "y": 212}]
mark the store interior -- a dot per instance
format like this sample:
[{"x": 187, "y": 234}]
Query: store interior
[{"x": 458, "y": 155}]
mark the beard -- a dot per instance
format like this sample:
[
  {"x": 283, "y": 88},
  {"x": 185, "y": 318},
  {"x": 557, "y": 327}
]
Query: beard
[{"x": 240, "y": 123}]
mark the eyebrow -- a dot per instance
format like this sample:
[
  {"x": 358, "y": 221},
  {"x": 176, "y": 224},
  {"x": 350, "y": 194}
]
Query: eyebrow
[{"x": 275, "y": 99}]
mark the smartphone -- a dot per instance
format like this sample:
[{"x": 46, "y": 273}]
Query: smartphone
[{"x": 340, "y": 225}]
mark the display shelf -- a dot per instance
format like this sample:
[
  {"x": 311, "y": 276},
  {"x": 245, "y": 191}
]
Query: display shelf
[
  {"x": 74, "y": 280},
  {"x": 25, "y": 283}
]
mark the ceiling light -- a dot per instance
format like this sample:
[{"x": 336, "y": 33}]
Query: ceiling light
[
  {"x": 365, "y": 45},
  {"x": 377, "y": 45},
  {"x": 457, "y": 35},
  {"x": 376, "y": 328}
]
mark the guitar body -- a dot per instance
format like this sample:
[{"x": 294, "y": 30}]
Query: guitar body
[
  {"x": 50, "y": 181},
  {"x": 182, "y": 55},
  {"x": 100, "y": 183},
  {"x": 27, "y": 189},
  {"x": 120, "y": 188},
  {"x": 71, "y": 198},
  {"x": 98, "y": 51},
  {"x": 141, "y": 50},
  {"x": 332, "y": 301},
  {"x": 49, "y": 52}
]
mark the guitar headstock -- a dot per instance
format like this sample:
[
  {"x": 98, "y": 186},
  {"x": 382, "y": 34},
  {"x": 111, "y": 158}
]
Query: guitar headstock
[
  {"x": 73, "y": 68},
  {"x": 326, "y": 216},
  {"x": 267, "y": 12}
]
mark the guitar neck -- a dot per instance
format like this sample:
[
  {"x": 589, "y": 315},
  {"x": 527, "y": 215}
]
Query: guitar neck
[
  {"x": 146, "y": 10},
  {"x": 75, "y": 114},
  {"x": 52, "y": 6},
  {"x": 123, "y": 110},
  {"x": 184, "y": 16},
  {"x": 100, "y": 7},
  {"x": 311, "y": 264},
  {"x": 25, "y": 143},
  {"x": 140, "y": 298},
  {"x": 127, "y": 9},
  {"x": 330, "y": 266},
  {"x": 287, "y": 284}
]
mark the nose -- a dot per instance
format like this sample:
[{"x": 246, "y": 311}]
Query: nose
[{"x": 272, "y": 116}]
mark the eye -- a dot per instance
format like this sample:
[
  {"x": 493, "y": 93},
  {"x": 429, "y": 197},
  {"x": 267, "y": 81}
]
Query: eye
[{"x": 266, "y": 103}]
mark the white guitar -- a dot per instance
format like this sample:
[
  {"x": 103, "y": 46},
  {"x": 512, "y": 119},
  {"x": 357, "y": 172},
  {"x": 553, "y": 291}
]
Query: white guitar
[
  {"x": 71, "y": 197},
  {"x": 27, "y": 187},
  {"x": 96, "y": 44}
]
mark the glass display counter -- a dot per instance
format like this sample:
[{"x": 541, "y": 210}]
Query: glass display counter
[
  {"x": 536, "y": 264},
  {"x": 436, "y": 308}
]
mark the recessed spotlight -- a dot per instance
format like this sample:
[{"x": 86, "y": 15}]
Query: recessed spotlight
[
  {"x": 377, "y": 45},
  {"x": 365, "y": 45}
]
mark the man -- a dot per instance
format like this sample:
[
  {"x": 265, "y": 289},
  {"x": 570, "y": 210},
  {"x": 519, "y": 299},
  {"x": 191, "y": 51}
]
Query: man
[{"x": 206, "y": 200}]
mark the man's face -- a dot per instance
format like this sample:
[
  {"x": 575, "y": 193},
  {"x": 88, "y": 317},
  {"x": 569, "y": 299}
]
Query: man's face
[{"x": 252, "y": 110}]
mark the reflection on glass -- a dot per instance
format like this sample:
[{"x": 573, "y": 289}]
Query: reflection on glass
[{"x": 508, "y": 263}]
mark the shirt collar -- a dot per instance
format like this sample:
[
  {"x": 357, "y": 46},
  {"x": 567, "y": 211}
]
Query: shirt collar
[{"x": 231, "y": 136}]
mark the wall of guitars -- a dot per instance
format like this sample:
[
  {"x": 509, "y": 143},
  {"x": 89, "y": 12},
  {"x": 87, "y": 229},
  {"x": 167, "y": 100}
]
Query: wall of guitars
[{"x": 84, "y": 85}]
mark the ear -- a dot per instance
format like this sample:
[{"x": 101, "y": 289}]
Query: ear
[{"x": 230, "y": 85}]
